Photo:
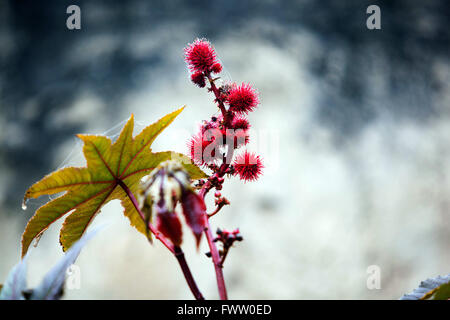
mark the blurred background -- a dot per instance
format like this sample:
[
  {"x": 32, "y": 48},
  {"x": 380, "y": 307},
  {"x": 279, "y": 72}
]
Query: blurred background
[{"x": 353, "y": 126}]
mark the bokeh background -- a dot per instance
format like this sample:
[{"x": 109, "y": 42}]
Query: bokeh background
[{"x": 354, "y": 127}]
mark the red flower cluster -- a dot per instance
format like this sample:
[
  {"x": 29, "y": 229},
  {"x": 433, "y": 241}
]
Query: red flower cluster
[
  {"x": 218, "y": 138},
  {"x": 228, "y": 237}
]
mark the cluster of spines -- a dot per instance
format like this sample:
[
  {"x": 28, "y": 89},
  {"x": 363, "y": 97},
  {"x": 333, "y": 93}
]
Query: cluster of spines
[{"x": 202, "y": 62}]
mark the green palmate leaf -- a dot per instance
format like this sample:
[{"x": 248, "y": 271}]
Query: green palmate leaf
[
  {"x": 89, "y": 188},
  {"x": 431, "y": 289}
]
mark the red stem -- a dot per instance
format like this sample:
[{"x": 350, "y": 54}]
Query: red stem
[
  {"x": 176, "y": 251},
  {"x": 220, "y": 103},
  {"x": 179, "y": 254},
  {"x": 216, "y": 260},
  {"x": 158, "y": 235},
  {"x": 212, "y": 214},
  {"x": 212, "y": 245},
  {"x": 206, "y": 187}
]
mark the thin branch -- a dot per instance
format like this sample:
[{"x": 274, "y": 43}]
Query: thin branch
[
  {"x": 204, "y": 190},
  {"x": 215, "y": 211},
  {"x": 224, "y": 255},
  {"x": 157, "y": 234},
  {"x": 216, "y": 260},
  {"x": 179, "y": 254},
  {"x": 219, "y": 101}
]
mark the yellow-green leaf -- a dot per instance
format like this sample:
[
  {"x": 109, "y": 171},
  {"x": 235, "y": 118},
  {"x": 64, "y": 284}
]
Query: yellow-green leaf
[{"x": 87, "y": 189}]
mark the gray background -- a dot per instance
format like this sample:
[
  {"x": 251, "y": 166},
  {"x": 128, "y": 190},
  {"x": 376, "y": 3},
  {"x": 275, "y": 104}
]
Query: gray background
[{"x": 354, "y": 127}]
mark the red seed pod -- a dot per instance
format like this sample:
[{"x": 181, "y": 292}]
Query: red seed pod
[
  {"x": 216, "y": 68},
  {"x": 248, "y": 165},
  {"x": 194, "y": 209},
  {"x": 199, "y": 79},
  {"x": 169, "y": 225},
  {"x": 200, "y": 56},
  {"x": 203, "y": 147},
  {"x": 240, "y": 122},
  {"x": 242, "y": 99},
  {"x": 196, "y": 146}
]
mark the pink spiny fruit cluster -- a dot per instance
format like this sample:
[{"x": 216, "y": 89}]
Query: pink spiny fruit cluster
[
  {"x": 201, "y": 59},
  {"x": 248, "y": 166},
  {"x": 219, "y": 137},
  {"x": 242, "y": 99}
]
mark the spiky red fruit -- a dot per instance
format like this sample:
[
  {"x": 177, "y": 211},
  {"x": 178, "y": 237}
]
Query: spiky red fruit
[
  {"x": 240, "y": 122},
  {"x": 248, "y": 165},
  {"x": 199, "y": 79},
  {"x": 196, "y": 147},
  {"x": 200, "y": 56},
  {"x": 242, "y": 99},
  {"x": 216, "y": 68},
  {"x": 203, "y": 146}
]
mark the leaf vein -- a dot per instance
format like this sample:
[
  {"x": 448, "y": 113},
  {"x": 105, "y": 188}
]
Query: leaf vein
[
  {"x": 98, "y": 207},
  {"x": 103, "y": 160},
  {"x": 141, "y": 149},
  {"x": 137, "y": 171},
  {"x": 77, "y": 183}
]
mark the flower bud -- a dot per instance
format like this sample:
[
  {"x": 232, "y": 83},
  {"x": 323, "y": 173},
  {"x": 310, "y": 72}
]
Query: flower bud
[
  {"x": 170, "y": 226},
  {"x": 194, "y": 211},
  {"x": 167, "y": 185},
  {"x": 160, "y": 191}
]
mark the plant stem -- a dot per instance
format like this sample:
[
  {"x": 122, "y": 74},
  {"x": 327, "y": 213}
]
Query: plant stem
[
  {"x": 224, "y": 255},
  {"x": 220, "y": 103},
  {"x": 158, "y": 235},
  {"x": 212, "y": 245},
  {"x": 208, "y": 186},
  {"x": 179, "y": 254},
  {"x": 176, "y": 251},
  {"x": 213, "y": 249},
  {"x": 212, "y": 214},
  {"x": 216, "y": 260}
]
